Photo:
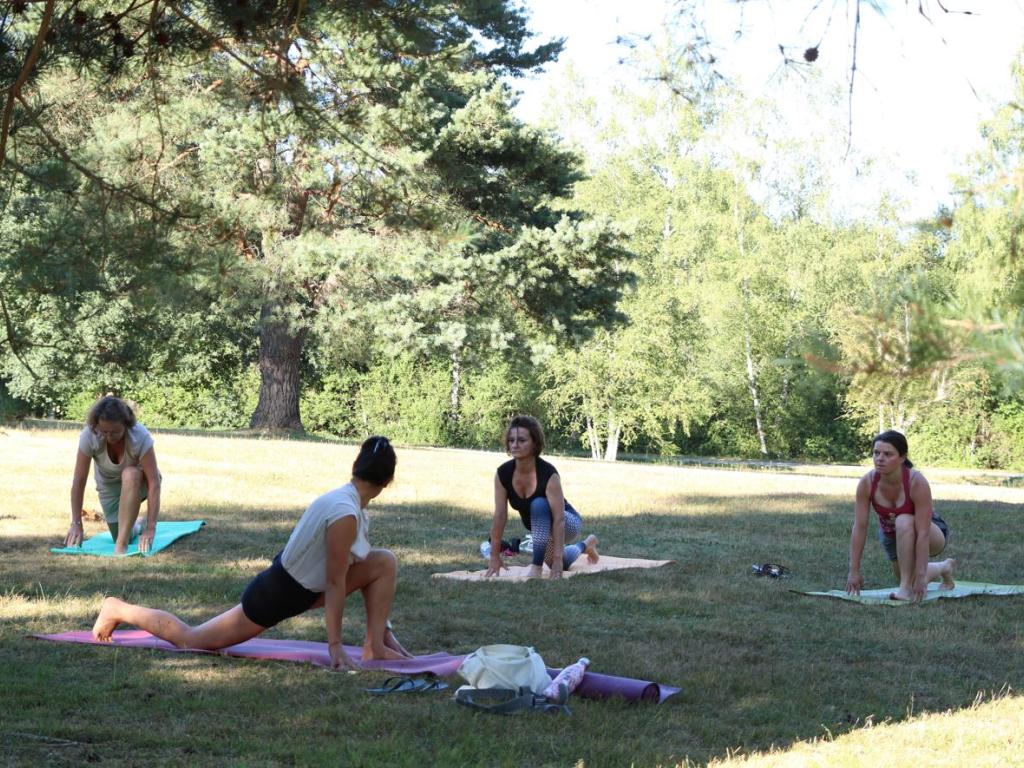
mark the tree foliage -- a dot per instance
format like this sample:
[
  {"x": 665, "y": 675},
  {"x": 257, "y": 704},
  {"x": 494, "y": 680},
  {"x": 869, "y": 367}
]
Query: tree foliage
[{"x": 330, "y": 166}]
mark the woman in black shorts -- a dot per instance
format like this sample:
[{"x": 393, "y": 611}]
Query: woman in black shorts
[
  {"x": 327, "y": 557},
  {"x": 909, "y": 529}
]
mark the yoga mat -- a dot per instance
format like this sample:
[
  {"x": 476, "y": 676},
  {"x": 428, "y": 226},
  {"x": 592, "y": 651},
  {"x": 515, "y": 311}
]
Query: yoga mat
[
  {"x": 518, "y": 573},
  {"x": 593, "y": 685},
  {"x": 962, "y": 589},
  {"x": 102, "y": 544}
]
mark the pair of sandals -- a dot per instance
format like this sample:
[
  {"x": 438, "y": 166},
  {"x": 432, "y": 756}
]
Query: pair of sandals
[{"x": 410, "y": 684}]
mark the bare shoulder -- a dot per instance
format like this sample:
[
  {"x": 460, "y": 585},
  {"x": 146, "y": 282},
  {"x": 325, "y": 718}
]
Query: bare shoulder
[{"x": 917, "y": 480}]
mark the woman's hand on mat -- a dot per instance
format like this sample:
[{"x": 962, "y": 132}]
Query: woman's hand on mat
[
  {"x": 920, "y": 588},
  {"x": 494, "y": 565},
  {"x": 340, "y": 659},
  {"x": 854, "y": 583},
  {"x": 74, "y": 537},
  {"x": 146, "y": 540}
]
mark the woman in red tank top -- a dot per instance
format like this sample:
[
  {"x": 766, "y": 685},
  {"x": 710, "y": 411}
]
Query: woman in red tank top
[{"x": 908, "y": 528}]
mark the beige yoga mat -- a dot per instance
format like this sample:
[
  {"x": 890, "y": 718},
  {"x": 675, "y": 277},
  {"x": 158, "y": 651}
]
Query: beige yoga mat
[{"x": 581, "y": 566}]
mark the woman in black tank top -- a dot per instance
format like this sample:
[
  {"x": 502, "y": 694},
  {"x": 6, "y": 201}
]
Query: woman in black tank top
[{"x": 532, "y": 487}]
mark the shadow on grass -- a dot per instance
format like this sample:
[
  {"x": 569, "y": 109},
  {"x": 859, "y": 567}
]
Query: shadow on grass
[{"x": 759, "y": 665}]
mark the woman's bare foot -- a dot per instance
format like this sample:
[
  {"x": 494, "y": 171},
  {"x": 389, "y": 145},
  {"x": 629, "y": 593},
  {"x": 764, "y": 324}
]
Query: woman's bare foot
[
  {"x": 590, "y": 547},
  {"x": 946, "y": 571},
  {"x": 390, "y": 641},
  {"x": 904, "y": 595},
  {"x": 107, "y": 621},
  {"x": 534, "y": 572},
  {"x": 382, "y": 654}
]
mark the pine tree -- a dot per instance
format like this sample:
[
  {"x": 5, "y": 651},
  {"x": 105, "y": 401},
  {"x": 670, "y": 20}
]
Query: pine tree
[{"x": 352, "y": 166}]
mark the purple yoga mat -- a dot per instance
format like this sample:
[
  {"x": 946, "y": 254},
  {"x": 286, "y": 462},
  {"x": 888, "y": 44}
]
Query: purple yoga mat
[
  {"x": 593, "y": 685},
  {"x": 443, "y": 664}
]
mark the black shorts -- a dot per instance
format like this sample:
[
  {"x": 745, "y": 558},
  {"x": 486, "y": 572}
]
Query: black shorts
[
  {"x": 274, "y": 596},
  {"x": 889, "y": 542},
  {"x": 944, "y": 527}
]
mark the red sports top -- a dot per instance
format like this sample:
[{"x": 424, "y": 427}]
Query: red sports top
[{"x": 887, "y": 515}]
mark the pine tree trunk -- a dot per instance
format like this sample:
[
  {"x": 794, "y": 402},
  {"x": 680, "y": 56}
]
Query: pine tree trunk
[
  {"x": 280, "y": 355},
  {"x": 280, "y": 345}
]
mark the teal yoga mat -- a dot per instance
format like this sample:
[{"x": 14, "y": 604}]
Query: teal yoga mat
[
  {"x": 963, "y": 589},
  {"x": 102, "y": 544}
]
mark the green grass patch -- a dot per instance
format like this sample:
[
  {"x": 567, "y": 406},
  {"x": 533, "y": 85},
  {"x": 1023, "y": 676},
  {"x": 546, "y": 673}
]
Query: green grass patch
[{"x": 769, "y": 677}]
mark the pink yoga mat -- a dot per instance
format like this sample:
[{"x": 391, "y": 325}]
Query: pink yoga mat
[{"x": 594, "y": 685}]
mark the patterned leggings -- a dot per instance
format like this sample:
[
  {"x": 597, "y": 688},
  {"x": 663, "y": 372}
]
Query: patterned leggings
[{"x": 540, "y": 527}]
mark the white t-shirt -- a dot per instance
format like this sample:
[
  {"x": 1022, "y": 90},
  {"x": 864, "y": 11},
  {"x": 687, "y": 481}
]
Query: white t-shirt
[
  {"x": 305, "y": 554},
  {"x": 107, "y": 474}
]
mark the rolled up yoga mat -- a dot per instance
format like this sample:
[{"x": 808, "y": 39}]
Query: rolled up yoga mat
[{"x": 593, "y": 686}]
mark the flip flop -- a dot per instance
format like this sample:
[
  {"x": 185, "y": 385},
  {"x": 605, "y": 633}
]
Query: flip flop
[
  {"x": 434, "y": 685},
  {"x": 399, "y": 684}
]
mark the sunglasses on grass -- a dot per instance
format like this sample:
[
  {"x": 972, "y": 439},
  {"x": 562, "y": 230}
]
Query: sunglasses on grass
[{"x": 771, "y": 570}]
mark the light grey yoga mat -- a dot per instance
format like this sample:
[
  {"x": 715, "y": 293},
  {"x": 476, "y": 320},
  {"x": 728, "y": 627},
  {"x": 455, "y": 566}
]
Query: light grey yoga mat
[{"x": 963, "y": 589}]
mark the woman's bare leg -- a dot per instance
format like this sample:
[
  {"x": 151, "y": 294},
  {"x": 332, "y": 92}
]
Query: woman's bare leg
[
  {"x": 905, "y": 541},
  {"x": 376, "y": 577},
  {"x": 936, "y": 541},
  {"x": 228, "y": 628},
  {"x": 943, "y": 569},
  {"x": 128, "y": 507}
]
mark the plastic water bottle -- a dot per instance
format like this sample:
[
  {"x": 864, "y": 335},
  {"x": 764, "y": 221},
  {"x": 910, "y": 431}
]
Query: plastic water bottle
[
  {"x": 507, "y": 548},
  {"x": 566, "y": 681}
]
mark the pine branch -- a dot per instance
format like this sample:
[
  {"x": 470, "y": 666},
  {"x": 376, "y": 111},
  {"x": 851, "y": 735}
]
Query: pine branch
[
  {"x": 11, "y": 337},
  {"x": 26, "y": 69},
  {"x": 91, "y": 175}
]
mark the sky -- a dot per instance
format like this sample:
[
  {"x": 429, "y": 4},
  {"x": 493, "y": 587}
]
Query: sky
[{"x": 921, "y": 89}]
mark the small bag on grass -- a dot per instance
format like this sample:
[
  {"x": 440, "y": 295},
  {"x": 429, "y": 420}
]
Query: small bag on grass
[
  {"x": 505, "y": 666},
  {"x": 504, "y": 679}
]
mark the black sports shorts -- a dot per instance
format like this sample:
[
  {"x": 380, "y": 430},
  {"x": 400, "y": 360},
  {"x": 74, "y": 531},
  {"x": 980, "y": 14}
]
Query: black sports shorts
[{"x": 273, "y": 596}]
